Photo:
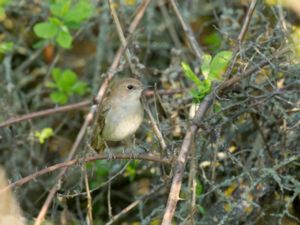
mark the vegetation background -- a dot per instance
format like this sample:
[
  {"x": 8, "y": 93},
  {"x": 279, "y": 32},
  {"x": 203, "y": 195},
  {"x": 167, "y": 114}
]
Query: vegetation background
[{"x": 234, "y": 161}]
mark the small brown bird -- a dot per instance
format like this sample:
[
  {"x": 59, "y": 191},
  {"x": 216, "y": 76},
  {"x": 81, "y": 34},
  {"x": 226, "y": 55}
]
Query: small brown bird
[{"x": 120, "y": 115}]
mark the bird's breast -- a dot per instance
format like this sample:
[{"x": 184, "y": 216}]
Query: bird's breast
[{"x": 122, "y": 122}]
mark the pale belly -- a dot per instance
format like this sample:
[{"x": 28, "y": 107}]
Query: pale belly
[{"x": 119, "y": 125}]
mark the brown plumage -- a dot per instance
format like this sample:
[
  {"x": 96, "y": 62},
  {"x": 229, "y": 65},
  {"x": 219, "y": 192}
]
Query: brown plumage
[{"x": 120, "y": 114}]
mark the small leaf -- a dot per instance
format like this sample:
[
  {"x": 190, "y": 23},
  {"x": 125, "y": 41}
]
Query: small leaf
[
  {"x": 69, "y": 78},
  {"x": 219, "y": 65},
  {"x": 213, "y": 41},
  {"x": 64, "y": 38},
  {"x": 50, "y": 85},
  {"x": 60, "y": 8},
  {"x": 6, "y": 47},
  {"x": 4, "y": 2},
  {"x": 40, "y": 43},
  {"x": 205, "y": 86},
  {"x": 57, "y": 22},
  {"x": 217, "y": 107},
  {"x": 80, "y": 87},
  {"x": 201, "y": 209},
  {"x": 59, "y": 98},
  {"x": 205, "y": 67},
  {"x": 79, "y": 12},
  {"x": 56, "y": 74},
  {"x": 44, "y": 134},
  {"x": 190, "y": 74},
  {"x": 2, "y": 14},
  {"x": 45, "y": 30},
  {"x": 199, "y": 187}
]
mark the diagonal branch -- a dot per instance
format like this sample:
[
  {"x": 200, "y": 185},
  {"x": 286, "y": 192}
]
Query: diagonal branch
[
  {"x": 187, "y": 29},
  {"x": 204, "y": 106},
  {"x": 90, "y": 115}
]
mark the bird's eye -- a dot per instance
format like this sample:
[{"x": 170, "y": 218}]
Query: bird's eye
[{"x": 129, "y": 87}]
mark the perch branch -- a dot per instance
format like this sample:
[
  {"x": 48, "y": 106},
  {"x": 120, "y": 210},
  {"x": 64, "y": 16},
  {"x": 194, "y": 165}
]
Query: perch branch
[
  {"x": 89, "y": 117},
  {"x": 72, "y": 162}
]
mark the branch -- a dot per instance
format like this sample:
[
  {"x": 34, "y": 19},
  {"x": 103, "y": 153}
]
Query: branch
[
  {"x": 182, "y": 158},
  {"x": 134, "y": 204},
  {"x": 187, "y": 29},
  {"x": 78, "y": 105},
  {"x": 241, "y": 37},
  {"x": 72, "y": 162},
  {"x": 46, "y": 112},
  {"x": 90, "y": 115}
]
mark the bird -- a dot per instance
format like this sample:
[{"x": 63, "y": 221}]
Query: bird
[{"x": 120, "y": 115}]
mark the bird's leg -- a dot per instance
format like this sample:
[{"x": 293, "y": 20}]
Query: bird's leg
[
  {"x": 110, "y": 153},
  {"x": 130, "y": 143}
]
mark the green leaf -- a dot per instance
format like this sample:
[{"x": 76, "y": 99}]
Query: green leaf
[
  {"x": 80, "y": 87},
  {"x": 40, "y": 43},
  {"x": 4, "y": 2},
  {"x": 60, "y": 8},
  {"x": 79, "y": 12},
  {"x": 205, "y": 86},
  {"x": 131, "y": 170},
  {"x": 6, "y": 47},
  {"x": 44, "y": 134},
  {"x": 45, "y": 30},
  {"x": 199, "y": 188},
  {"x": 59, "y": 97},
  {"x": 2, "y": 13},
  {"x": 217, "y": 107},
  {"x": 56, "y": 74},
  {"x": 219, "y": 65},
  {"x": 205, "y": 67},
  {"x": 50, "y": 85},
  {"x": 66, "y": 81},
  {"x": 57, "y": 22},
  {"x": 190, "y": 74},
  {"x": 213, "y": 41},
  {"x": 64, "y": 38},
  {"x": 65, "y": 84},
  {"x": 201, "y": 209},
  {"x": 202, "y": 90},
  {"x": 69, "y": 78}
]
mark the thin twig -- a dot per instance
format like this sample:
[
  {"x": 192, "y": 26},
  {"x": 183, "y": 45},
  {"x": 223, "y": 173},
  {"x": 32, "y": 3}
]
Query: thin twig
[
  {"x": 187, "y": 29},
  {"x": 120, "y": 33},
  {"x": 70, "y": 107},
  {"x": 156, "y": 130},
  {"x": 89, "y": 198},
  {"x": 101, "y": 185},
  {"x": 90, "y": 115},
  {"x": 238, "y": 77},
  {"x": 133, "y": 204},
  {"x": 109, "y": 200},
  {"x": 46, "y": 112},
  {"x": 241, "y": 37},
  {"x": 169, "y": 24},
  {"x": 56, "y": 187},
  {"x": 182, "y": 158},
  {"x": 72, "y": 162}
]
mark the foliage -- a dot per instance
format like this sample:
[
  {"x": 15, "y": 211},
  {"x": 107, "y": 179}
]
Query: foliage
[
  {"x": 65, "y": 85},
  {"x": 247, "y": 147},
  {"x": 44, "y": 134},
  {"x": 212, "y": 70},
  {"x": 66, "y": 15},
  {"x": 3, "y": 4},
  {"x": 131, "y": 170},
  {"x": 6, "y": 47}
]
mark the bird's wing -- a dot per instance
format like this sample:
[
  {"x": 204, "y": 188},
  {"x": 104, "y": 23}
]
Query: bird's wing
[{"x": 97, "y": 142}]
